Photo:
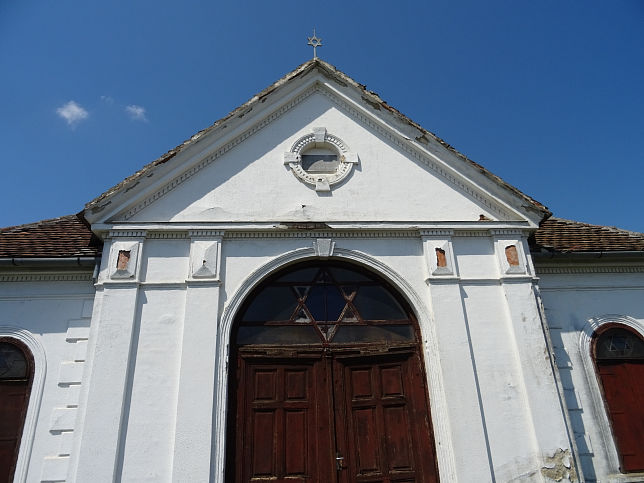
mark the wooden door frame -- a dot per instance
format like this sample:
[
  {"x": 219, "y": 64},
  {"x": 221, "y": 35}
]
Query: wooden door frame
[
  {"x": 428, "y": 349},
  {"x": 29, "y": 383},
  {"x": 334, "y": 404}
]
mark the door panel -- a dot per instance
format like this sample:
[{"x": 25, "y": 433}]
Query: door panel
[
  {"x": 622, "y": 383},
  {"x": 282, "y": 421},
  {"x": 382, "y": 420},
  {"x": 296, "y": 416}
]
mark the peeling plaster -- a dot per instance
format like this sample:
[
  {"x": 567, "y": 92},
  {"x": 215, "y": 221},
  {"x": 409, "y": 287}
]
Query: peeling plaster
[{"x": 559, "y": 466}]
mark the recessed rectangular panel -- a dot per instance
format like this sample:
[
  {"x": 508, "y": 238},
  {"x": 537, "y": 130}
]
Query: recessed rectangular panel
[
  {"x": 265, "y": 385},
  {"x": 361, "y": 386},
  {"x": 367, "y": 440},
  {"x": 398, "y": 438},
  {"x": 295, "y": 441},
  {"x": 296, "y": 384},
  {"x": 391, "y": 378},
  {"x": 263, "y": 446}
]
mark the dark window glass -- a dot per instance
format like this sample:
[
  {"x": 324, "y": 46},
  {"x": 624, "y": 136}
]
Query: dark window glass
[
  {"x": 272, "y": 303},
  {"x": 282, "y": 334},
  {"x": 13, "y": 364},
  {"x": 374, "y": 333},
  {"x": 619, "y": 344},
  {"x": 320, "y": 163},
  {"x": 325, "y": 302},
  {"x": 301, "y": 275},
  {"x": 347, "y": 276},
  {"x": 376, "y": 303}
]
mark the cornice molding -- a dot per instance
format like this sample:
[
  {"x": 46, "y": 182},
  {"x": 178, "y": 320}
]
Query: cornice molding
[
  {"x": 541, "y": 270},
  {"x": 127, "y": 234},
  {"x": 46, "y": 277},
  {"x": 240, "y": 235},
  {"x": 164, "y": 235}
]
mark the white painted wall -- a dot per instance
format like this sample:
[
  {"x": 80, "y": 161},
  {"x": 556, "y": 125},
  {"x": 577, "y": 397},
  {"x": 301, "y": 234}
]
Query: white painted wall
[
  {"x": 251, "y": 183},
  {"x": 578, "y": 298},
  {"x": 51, "y": 313},
  {"x": 493, "y": 419}
]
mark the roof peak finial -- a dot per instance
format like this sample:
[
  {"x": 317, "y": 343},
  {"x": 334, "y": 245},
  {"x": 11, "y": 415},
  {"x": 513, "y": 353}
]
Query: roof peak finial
[{"x": 314, "y": 42}]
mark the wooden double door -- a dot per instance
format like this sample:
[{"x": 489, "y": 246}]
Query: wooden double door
[{"x": 325, "y": 416}]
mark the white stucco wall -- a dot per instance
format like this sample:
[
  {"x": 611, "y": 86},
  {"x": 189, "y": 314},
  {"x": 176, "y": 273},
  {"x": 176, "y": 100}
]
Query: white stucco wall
[
  {"x": 50, "y": 312},
  {"x": 578, "y": 298},
  {"x": 493, "y": 419}
]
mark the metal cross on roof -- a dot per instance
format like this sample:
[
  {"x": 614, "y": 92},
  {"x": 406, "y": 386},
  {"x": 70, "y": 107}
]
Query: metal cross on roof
[{"x": 314, "y": 42}]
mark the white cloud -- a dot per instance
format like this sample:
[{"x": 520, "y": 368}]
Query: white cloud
[
  {"x": 136, "y": 113},
  {"x": 107, "y": 99},
  {"x": 72, "y": 113}
]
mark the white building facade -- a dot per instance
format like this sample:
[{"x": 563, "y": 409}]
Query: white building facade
[{"x": 141, "y": 371}]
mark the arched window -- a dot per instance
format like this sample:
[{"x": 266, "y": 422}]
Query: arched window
[
  {"x": 619, "y": 359},
  {"x": 328, "y": 304},
  {"x": 16, "y": 376}
]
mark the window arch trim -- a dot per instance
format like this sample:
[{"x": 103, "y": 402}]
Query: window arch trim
[
  {"x": 439, "y": 413},
  {"x": 594, "y": 327},
  {"x": 35, "y": 396}
]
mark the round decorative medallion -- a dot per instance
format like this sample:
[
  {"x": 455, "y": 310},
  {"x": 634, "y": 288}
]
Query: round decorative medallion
[{"x": 320, "y": 159}]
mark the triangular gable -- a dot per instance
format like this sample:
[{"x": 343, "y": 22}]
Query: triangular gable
[{"x": 309, "y": 83}]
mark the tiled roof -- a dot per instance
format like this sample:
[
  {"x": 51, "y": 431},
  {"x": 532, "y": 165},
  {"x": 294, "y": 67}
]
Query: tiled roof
[
  {"x": 67, "y": 236},
  {"x": 559, "y": 235}
]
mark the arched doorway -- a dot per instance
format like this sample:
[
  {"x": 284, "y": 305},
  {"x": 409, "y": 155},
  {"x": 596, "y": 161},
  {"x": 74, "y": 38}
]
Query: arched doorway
[
  {"x": 327, "y": 382},
  {"x": 16, "y": 376},
  {"x": 619, "y": 357}
]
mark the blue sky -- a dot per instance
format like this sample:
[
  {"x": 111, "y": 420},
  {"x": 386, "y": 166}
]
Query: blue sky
[{"x": 547, "y": 95}]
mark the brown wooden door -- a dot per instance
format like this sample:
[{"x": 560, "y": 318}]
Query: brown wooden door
[
  {"x": 382, "y": 420},
  {"x": 624, "y": 393},
  {"x": 16, "y": 373},
  {"x": 283, "y": 432},
  {"x": 296, "y": 417}
]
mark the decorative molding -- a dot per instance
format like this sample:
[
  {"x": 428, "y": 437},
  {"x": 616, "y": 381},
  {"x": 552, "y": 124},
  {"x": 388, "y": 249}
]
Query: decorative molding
[
  {"x": 321, "y": 181},
  {"x": 437, "y": 232},
  {"x": 205, "y": 258},
  {"x": 35, "y": 398},
  {"x": 178, "y": 235},
  {"x": 127, "y": 233},
  {"x": 124, "y": 260},
  {"x": 47, "y": 277},
  {"x": 236, "y": 235},
  {"x": 323, "y": 247},
  {"x": 437, "y": 396},
  {"x": 220, "y": 152},
  {"x": 590, "y": 288},
  {"x": 63, "y": 417},
  {"x": 507, "y": 231},
  {"x": 471, "y": 233},
  {"x": 206, "y": 233},
  {"x": 503, "y": 242},
  {"x": 568, "y": 269},
  {"x": 435, "y": 246},
  {"x": 599, "y": 408}
]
